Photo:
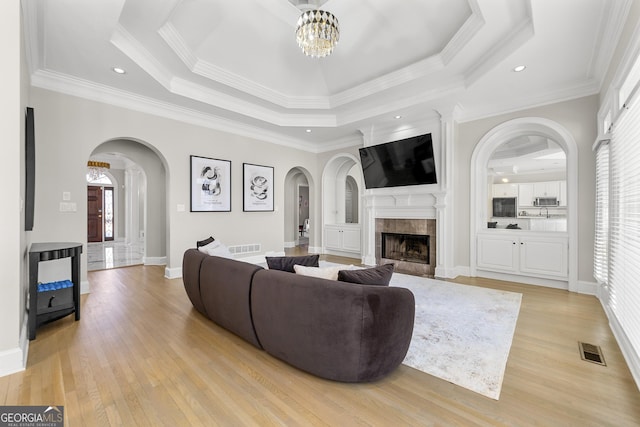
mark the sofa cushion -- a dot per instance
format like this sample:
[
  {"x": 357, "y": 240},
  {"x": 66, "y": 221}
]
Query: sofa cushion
[
  {"x": 205, "y": 241},
  {"x": 380, "y": 275},
  {"x": 286, "y": 263},
  {"x": 330, "y": 273}
]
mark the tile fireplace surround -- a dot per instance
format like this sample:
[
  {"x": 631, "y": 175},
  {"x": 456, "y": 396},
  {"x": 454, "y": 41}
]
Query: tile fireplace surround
[{"x": 408, "y": 226}]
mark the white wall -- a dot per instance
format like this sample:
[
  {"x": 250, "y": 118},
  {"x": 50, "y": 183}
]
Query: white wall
[
  {"x": 70, "y": 128},
  {"x": 13, "y": 87}
]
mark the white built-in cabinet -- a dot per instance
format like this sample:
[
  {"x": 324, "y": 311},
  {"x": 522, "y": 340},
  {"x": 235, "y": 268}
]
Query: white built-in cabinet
[
  {"x": 527, "y": 192},
  {"x": 546, "y": 189},
  {"x": 518, "y": 253},
  {"x": 342, "y": 237},
  {"x": 505, "y": 190},
  {"x": 562, "y": 197},
  {"x": 525, "y": 195}
]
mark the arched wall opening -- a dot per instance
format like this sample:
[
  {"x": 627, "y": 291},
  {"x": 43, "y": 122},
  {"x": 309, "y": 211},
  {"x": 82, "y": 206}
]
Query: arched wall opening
[
  {"x": 299, "y": 193},
  {"x": 145, "y": 190},
  {"x": 479, "y": 177}
]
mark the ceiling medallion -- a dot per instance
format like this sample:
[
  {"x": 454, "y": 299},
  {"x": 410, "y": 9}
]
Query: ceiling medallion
[{"x": 317, "y": 33}]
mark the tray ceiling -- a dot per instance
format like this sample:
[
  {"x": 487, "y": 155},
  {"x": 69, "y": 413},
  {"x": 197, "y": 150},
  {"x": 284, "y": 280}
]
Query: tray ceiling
[{"x": 235, "y": 65}]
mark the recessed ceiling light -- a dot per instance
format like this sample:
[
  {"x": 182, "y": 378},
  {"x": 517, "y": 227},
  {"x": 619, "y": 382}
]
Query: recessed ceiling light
[
  {"x": 505, "y": 180},
  {"x": 519, "y": 68},
  {"x": 308, "y": 130},
  {"x": 397, "y": 117},
  {"x": 118, "y": 70}
]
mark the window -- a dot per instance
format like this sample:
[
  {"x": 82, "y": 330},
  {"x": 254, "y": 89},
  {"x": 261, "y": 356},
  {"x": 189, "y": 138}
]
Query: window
[
  {"x": 624, "y": 220},
  {"x": 601, "y": 241}
]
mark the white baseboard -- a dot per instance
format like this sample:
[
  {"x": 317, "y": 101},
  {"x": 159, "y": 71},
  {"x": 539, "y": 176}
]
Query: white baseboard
[
  {"x": 85, "y": 287},
  {"x": 630, "y": 355},
  {"x": 289, "y": 245},
  {"x": 549, "y": 283},
  {"x": 173, "y": 273},
  {"x": 159, "y": 260},
  {"x": 451, "y": 273},
  {"x": 588, "y": 288},
  {"x": 15, "y": 359}
]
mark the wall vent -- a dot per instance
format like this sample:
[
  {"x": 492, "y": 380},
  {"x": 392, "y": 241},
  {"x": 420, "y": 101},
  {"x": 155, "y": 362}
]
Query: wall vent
[
  {"x": 245, "y": 249},
  {"x": 591, "y": 353}
]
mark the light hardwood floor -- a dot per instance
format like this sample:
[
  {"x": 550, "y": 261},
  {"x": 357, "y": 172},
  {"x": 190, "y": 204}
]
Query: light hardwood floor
[{"x": 141, "y": 355}]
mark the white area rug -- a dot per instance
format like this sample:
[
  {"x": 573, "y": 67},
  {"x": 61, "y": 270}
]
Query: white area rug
[{"x": 462, "y": 333}]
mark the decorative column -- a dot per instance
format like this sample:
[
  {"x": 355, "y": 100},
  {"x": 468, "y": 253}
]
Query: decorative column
[{"x": 445, "y": 263}]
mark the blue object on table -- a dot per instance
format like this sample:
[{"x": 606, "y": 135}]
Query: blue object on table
[{"x": 54, "y": 286}]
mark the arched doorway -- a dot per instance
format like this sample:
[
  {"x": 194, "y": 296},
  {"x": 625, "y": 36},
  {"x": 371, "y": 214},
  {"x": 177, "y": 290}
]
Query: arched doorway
[
  {"x": 299, "y": 214},
  {"x": 140, "y": 213},
  {"x": 479, "y": 188}
]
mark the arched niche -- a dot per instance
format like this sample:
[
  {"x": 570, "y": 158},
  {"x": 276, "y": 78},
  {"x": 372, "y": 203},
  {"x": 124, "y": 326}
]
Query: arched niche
[
  {"x": 479, "y": 195},
  {"x": 334, "y": 184},
  {"x": 340, "y": 171}
]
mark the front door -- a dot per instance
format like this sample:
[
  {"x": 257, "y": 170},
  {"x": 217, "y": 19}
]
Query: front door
[{"x": 94, "y": 214}]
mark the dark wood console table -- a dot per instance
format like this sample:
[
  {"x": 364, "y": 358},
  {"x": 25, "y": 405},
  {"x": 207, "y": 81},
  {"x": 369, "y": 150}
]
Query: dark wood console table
[{"x": 55, "y": 303}]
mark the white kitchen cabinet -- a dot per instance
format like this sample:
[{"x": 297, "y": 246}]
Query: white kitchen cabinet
[
  {"x": 525, "y": 195},
  {"x": 546, "y": 189},
  {"x": 342, "y": 237},
  {"x": 562, "y": 197},
  {"x": 527, "y": 255},
  {"x": 505, "y": 190}
]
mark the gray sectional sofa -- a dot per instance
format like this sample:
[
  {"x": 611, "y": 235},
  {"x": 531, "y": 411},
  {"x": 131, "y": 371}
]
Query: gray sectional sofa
[{"x": 336, "y": 330}]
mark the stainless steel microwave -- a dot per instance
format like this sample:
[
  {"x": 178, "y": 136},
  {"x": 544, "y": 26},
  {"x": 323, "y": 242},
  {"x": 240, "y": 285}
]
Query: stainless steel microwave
[{"x": 546, "y": 201}]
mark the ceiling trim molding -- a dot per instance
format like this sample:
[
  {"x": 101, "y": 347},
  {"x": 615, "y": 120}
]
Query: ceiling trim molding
[
  {"x": 463, "y": 36},
  {"x": 611, "y": 27},
  {"x": 176, "y": 43},
  {"x": 587, "y": 88},
  {"x": 72, "y": 86},
  {"x": 32, "y": 37},
  {"x": 510, "y": 42},
  {"x": 130, "y": 46}
]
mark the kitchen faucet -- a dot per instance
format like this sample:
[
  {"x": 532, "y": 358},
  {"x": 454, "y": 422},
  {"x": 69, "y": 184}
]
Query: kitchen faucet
[{"x": 540, "y": 214}]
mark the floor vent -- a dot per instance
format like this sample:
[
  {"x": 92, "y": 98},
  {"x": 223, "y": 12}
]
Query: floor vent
[
  {"x": 591, "y": 353},
  {"x": 245, "y": 249}
]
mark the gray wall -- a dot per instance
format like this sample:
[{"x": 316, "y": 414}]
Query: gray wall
[{"x": 71, "y": 128}]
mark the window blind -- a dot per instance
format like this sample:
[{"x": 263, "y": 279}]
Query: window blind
[
  {"x": 624, "y": 221},
  {"x": 601, "y": 240}
]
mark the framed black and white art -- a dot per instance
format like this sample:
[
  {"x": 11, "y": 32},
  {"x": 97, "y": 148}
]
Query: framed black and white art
[
  {"x": 210, "y": 185},
  {"x": 257, "y": 188}
]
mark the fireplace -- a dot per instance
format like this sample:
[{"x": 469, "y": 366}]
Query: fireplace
[
  {"x": 410, "y": 244},
  {"x": 406, "y": 247}
]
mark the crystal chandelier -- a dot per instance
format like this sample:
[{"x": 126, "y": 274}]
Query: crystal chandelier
[
  {"x": 317, "y": 33},
  {"x": 96, "y": 170}
]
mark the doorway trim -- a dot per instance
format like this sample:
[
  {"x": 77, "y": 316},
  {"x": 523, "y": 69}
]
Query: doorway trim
[{"x": 479, "y": 176}]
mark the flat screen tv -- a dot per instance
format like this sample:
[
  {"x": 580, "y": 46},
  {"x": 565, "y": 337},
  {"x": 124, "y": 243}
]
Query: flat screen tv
[
  {"x": 30, "y": 169},
  {"x": 399, "y": 163}
]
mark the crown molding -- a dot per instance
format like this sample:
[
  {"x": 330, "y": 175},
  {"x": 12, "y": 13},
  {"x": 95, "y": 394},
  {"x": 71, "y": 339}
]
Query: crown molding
[
  {"x": 608, "y": 36},
  {"x": 581, "y": 90},
  {"x": 515, "y": 39},
  {"x": 69, "y": 85},
  {"x": 464, "y": 35}
]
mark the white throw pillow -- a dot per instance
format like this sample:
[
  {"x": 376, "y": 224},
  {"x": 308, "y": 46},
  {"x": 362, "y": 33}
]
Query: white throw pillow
[
  {"x": 330, "y": 273},
  {"x": 216, "y": 248}
]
